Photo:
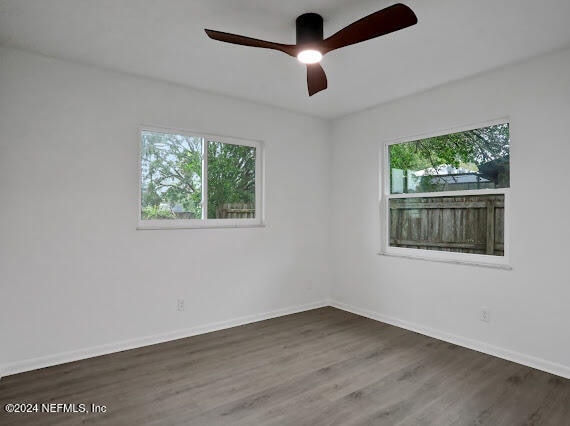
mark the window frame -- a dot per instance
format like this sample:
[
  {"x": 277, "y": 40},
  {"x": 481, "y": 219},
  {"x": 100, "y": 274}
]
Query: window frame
[
  {"x": 158, "y": 224},
  {"x": 502, "y": 262}
]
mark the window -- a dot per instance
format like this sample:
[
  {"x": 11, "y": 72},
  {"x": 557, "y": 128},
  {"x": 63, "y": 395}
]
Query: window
[
  {"x": 189, "y": 180},
  {"x": 446, "y": 196}
]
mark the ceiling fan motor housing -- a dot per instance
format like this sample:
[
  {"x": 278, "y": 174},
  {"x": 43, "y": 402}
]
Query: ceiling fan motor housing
[{"x": 309, "y": 29}]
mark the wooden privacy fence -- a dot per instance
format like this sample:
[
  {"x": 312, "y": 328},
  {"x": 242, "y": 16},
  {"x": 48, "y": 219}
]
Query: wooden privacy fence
[
  {"x": 467, "y": 224},
  {"x": 237, "y": 211}
]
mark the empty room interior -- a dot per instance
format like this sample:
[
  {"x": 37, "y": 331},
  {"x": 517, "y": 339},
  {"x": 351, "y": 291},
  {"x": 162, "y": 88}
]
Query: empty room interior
[{"x": 259, "y": 212}]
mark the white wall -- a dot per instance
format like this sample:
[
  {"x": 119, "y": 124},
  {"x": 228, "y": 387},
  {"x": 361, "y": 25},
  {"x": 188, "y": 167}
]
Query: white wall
[
  {"x": 530, "y": 313},
  {"x": 78, "y": 279},
  {"x": 76, "y": 274}
]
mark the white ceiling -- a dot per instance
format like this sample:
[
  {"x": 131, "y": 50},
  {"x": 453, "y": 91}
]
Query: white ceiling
[{"x": 165, "y": 40}]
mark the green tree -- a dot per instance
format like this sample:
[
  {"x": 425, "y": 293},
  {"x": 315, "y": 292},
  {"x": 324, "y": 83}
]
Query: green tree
[
  {"x": 476, "y": 146},
  {"x": 469, "y": 149},
  {"x": 231, "y": 176},
  {"x": 172, "y": 171}
]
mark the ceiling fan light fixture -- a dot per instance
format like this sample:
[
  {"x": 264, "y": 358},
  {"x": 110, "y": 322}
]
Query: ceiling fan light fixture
[
  {"x": 311, "y": 44},
  {"x": 310, "y": 56}
]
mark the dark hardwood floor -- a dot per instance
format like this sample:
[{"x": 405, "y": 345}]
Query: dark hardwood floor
[{"x": 321, "y": 367}]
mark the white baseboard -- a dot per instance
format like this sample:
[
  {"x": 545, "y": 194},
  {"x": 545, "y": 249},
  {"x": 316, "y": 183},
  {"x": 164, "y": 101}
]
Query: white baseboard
[
  {"x": 519, "y": 358},
  {"x": 76, "y": 355}
]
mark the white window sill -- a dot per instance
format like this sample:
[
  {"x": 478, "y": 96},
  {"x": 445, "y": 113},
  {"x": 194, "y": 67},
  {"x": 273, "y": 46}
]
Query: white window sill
[
  {"x": 455, "y": 261},
  {"x": 166, "y": 227}
]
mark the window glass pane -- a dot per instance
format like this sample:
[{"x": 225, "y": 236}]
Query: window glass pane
[
  {"x": 231, "y": 181},
  {"x": 465, "y": 224},
  {"x": 474, "y": 159},
  {"x": 171, "y": 176}
]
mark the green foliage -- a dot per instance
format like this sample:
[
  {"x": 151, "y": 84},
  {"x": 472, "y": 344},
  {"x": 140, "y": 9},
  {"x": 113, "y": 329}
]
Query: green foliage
[
  {"x": 171, "y": 171},
  {"x": 231, "y": 176},
  {"x": 150, "y": 196},
  {"x": 172, "y": 174},
  {"x": 156, "y": 212},
  {"x": 476, "y": 146},
  {"x": 467, "y": 150}
]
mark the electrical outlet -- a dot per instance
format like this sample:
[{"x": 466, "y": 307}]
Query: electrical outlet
[
  {"x": 180, "y": 305},
  {"x": 485, "y": 315}
]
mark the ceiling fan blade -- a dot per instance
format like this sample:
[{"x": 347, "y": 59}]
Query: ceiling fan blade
[
  {"x": 253, "y": 42},
  {"x": 316, "y": 78},
  {"x": 384, "y": 21}
]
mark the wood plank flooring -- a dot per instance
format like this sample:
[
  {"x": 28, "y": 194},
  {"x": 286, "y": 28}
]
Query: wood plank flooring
[{"x": 321, "y": 367}]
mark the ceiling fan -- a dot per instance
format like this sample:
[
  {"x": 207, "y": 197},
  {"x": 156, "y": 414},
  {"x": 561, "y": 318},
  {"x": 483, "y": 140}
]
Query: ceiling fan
[{"x": 311, "y": 46}]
